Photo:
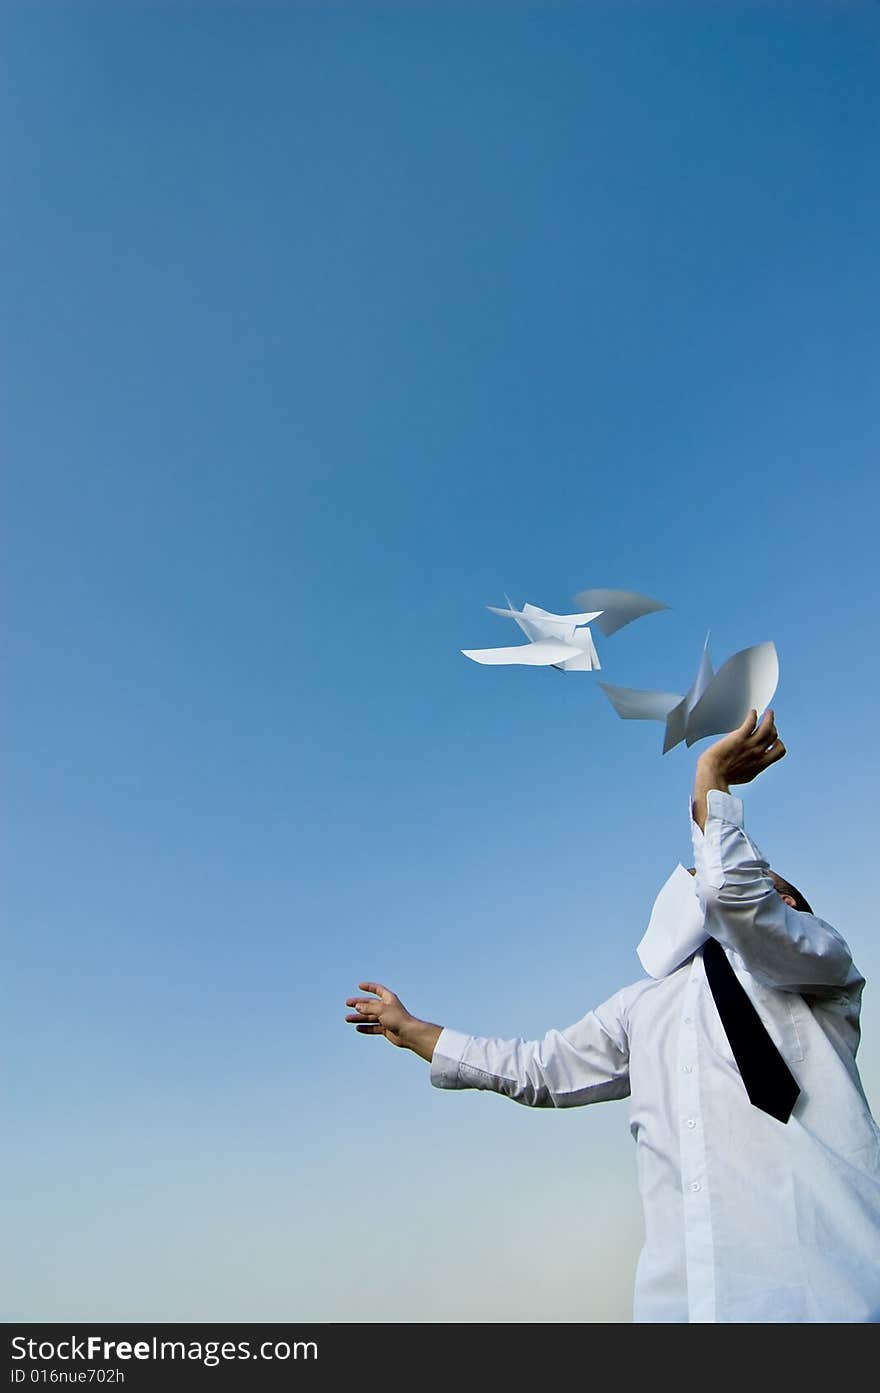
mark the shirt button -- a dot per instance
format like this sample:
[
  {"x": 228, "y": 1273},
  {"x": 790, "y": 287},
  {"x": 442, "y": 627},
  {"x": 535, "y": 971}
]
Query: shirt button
[
  {"x": 687, "y": 1068},
  {"x": 691, "y": 1122},
  {"x": 694, "y": 1185},
  {"x": 688, "y": 1020}
]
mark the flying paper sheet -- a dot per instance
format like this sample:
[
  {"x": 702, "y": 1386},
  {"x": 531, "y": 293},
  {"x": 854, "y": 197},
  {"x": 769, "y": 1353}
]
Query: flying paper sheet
[
  {"x": 555, "y": 640},
  {"x": 717, "y": 702},
  {"x": 542, "y": 653},
  {"x": 746, "y": 680},
  {"x": 617, "y": 607},
  {"x": 564, "y": 641}
]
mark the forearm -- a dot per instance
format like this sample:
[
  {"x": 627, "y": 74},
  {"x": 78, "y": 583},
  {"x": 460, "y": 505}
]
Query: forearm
[
  {"x": 586, "y": 1063},
  {"x": 708, "y": 775},
  {"x": 421, "y": 1037}
]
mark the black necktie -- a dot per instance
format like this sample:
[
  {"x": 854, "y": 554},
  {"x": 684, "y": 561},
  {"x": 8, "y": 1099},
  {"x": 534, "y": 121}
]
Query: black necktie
[{"x": 765, "y": 1073}]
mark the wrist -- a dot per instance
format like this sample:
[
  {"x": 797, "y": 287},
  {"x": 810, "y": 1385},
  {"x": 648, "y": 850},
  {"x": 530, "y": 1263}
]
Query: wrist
[
  {"x": 711, "y": 775},
  {"x": 421, "y": 1037}
]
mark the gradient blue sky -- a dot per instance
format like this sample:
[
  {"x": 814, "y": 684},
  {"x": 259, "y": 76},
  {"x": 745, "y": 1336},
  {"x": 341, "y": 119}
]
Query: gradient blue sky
[{"x": 324, "y": 327}]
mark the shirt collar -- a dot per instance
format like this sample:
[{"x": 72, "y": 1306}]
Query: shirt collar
[{"x": 677, "y": 926}]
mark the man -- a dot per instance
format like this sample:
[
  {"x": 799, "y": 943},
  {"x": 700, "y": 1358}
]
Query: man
[{"x": 758, "y": 1157}]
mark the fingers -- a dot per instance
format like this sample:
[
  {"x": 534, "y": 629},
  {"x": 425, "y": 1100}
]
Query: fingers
[
  {"x": 364, "y": 1009},
  {"x": 366, "y": 1015},
  {"x": 761, "y": 759},
  {"x": 755, "y": 732},
  {"x": 743, "y": 754},
  {"x": 767, "y": 738},
  {"x": 748, "y": 724},
  {"x": 764, "y": 746},
  {"x": 764, "y": 735},
  {"x": 365, "y": 1018},
  {"x": 375, "y": 1004},
  {"x": 382, "y": 992},
  {"x": 766, "y": 731},
  {"x": 775, "y": 752}
]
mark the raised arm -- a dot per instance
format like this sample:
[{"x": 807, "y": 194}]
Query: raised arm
[
  {"x": 778, "y": 943},
  {"x": 587, "y": 1063}
]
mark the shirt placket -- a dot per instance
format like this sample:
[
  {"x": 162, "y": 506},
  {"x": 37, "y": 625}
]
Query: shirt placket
[{"x": 699, "y": 1249}]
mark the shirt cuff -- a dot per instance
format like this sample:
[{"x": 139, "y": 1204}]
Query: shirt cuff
[
  {"x": 722, "y": 809},
  {"x": 725, "y": 806},
  {"x": 446, "y": 1060}
]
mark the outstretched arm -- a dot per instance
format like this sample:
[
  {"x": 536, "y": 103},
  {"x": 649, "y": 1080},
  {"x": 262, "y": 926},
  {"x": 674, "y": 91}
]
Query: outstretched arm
[{"x": 586, "y": 1063}]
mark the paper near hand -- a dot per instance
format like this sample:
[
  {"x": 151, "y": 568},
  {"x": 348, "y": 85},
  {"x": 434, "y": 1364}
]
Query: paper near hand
[
  {"x": 717, "y": 702},
  {"x": 562, "y": 640}
]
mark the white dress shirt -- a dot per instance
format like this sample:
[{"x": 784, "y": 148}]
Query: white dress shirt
[{"x": 746, "y": 1218}]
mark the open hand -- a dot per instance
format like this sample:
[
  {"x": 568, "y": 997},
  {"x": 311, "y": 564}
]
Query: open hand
[
  {"x": 385, "y": 1014},
  {"x": 382, "y": 1014}
]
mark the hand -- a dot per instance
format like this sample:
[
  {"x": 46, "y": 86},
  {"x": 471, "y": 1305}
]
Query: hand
[
  {"x": 385, "y": 1014},
  {"x": 740, "y": 757},
  {"x": 736, "y": 759}
]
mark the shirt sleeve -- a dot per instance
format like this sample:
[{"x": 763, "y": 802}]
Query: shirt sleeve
[
  {"x": 586, "y": 1063},
  {"x": 782, "y": 947}
]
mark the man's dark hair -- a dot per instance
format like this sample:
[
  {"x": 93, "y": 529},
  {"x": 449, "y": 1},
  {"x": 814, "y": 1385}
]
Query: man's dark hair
[{"x": 785, "y": 887}]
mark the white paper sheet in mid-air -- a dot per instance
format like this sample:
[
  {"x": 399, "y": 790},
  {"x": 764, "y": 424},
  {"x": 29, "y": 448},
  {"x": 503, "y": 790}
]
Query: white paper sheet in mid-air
[
  {"x": 564, "y": 641},
  {"x": 617, "y": 607},
  {"x": 716, "y": 702}
]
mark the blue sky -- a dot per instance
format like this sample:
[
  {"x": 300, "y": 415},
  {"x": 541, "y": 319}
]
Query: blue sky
[{"x": 324, "y": 327}]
